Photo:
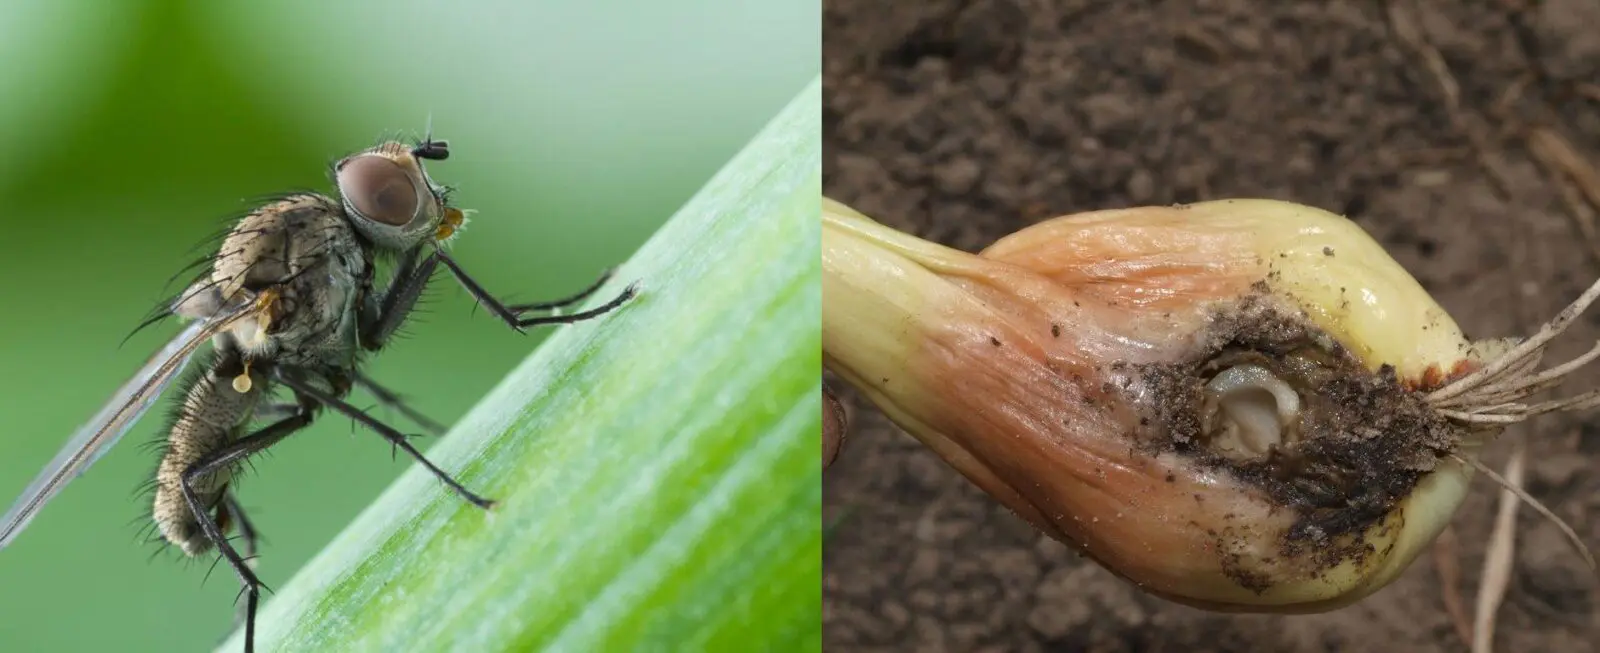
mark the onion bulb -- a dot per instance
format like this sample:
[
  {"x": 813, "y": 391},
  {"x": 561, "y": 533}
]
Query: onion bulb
[{"x": 1239, "y": 405}]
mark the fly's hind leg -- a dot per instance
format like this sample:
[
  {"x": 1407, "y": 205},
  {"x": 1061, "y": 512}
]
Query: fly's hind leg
[
  {"x": 224, "y": 458},
  {"x": 233, "y": 513},
  {"x": 230, "y": 513}
]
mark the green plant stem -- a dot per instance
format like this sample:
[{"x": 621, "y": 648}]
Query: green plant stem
[{"x": 657, "y": 469}]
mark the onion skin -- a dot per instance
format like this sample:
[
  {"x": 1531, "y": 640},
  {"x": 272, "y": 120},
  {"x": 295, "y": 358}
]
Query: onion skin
[{"x": 1011, "y": 365}]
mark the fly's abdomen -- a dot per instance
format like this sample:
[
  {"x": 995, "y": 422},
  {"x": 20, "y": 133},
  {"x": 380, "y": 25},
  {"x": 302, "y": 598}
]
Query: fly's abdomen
[{"x": 213, "y": 414}]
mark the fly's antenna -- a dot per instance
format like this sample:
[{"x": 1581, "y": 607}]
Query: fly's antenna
[{"x": 431, "y": 149}]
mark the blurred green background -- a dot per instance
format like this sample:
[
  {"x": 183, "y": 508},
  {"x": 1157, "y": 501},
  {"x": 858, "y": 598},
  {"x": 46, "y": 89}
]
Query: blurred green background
[{"x": 131, "y": 129}]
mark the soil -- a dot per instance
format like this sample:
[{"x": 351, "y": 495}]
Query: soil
[{"x": 964, "y": 120}]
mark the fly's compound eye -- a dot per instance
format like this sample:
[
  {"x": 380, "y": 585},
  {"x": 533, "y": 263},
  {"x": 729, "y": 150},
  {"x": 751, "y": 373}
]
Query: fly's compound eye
[{"x": 379, "y": 189}]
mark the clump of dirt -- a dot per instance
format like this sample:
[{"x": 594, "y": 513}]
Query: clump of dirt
[
  {"x": 962, "y": 121},
  {"x": 1359, "y": 446}
]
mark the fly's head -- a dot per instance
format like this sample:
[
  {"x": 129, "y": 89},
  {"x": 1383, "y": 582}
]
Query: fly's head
[{"x": 390, "y": 198}]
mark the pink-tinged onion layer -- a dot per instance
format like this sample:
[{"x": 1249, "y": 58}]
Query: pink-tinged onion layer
[{"x": 1051, "y": 371}]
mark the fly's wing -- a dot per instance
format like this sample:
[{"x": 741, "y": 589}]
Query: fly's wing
[{"x": 124, "y": 409}]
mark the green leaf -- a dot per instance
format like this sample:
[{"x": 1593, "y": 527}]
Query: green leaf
[{"x": 658, "y": 469}]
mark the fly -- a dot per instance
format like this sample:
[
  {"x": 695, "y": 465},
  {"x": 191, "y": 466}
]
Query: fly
[{"x": 289, "y": 306}]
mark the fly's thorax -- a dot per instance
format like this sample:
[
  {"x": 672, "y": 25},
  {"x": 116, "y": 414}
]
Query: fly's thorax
[
  {"x": 212, "y": 414},
  {"x": 305, "y": 251},
  {"x": 275, "y": 242}
]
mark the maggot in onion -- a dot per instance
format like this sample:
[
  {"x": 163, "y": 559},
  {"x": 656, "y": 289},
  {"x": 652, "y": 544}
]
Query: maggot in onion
[{"x": 1240, "y": 405}]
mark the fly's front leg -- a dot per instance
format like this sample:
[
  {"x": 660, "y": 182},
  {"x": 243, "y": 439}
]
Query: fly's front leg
[
  {"x": 512, "y": 314},
  {"x": 558, "y": 304},
  {"x": 380, "y": 320}
]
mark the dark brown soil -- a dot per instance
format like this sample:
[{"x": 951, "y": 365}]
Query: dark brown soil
[{"x": 964, "y": 120}]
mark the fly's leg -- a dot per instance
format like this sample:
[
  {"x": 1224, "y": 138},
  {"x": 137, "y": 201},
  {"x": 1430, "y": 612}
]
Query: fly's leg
[
  {"x": 413, "y": 274},
  {"x": 232, "y": 512},
  {"x": 393, "y": 400},
  {"x": 557, "y": 304},
  {"x": 379, "y": 321},
  {"x": 247, "y": 529},
  {"x": 512, "y": 314},
  {"x": 276, "y": 411},
  {"x": 223, "y": 458},
  {"x": 394, "y": 437}
]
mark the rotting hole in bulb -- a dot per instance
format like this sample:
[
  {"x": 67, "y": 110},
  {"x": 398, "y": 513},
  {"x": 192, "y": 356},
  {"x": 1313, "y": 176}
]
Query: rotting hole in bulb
[
  {"x": 1249, "y": 411},
  {"x": 1253, "y": 402},
  {"x": 1357, "y": 445}
]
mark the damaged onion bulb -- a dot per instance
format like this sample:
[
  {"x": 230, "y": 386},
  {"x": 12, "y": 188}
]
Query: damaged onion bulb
[{"x": 1240, "y": 405}]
